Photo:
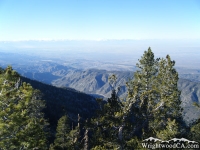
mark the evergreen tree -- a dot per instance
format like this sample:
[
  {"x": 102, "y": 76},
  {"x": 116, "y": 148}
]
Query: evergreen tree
[
  {"x": 168, "y": 103},
  {"x": 67, "y": 138},
  {"x": 75, "y": 138},
  {"x": 108, "y": 122},
  {"x": 141, "y": 96},
  {"x": 153, "y": 98},
  {"x": 21, "y": 121},
  {"x": 152, "y": 107},
  {"x": 62, "y": 140}
]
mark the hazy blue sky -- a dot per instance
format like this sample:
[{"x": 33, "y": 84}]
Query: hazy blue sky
[{"x": 99, "y": 19}]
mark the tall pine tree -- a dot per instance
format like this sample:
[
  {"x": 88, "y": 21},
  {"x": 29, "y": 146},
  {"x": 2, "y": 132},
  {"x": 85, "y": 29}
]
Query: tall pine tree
[
  {"x": 107, "y": 126},
  {"x": 141, "y": 96},
  {"x": 167, "y": 109},
  {"x": 153, "y": 103}
]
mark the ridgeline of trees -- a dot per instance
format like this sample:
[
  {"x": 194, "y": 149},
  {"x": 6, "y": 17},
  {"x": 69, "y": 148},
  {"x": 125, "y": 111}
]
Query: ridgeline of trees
[{"x": 152, "y": 109}]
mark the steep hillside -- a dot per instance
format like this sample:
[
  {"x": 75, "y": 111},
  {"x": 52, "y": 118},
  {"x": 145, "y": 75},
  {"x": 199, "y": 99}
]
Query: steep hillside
[
  {"x": 63, "y": 100},
  {"x": 95, "y": 81},
  {"x": 190, "y": 93}
]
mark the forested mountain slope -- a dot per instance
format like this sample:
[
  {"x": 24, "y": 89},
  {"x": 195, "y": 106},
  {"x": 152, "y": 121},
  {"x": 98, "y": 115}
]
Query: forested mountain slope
[
  {"x": 95, "y": 81},
  {"x": 60, "y": 101}
]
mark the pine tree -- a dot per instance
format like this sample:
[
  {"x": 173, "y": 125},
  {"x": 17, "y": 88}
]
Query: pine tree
[
  {"x": 168, "y": 103},
  {"x": 62, "y": 140},
  {"x": 153, "y": 98},
  {"x": 21, "y": 121},
  {"x": 75, "y": 139},
  {"x": 67, "y": 138},
  {"x": 107, "y": 124},
  {"x": 141, "y": 96}
]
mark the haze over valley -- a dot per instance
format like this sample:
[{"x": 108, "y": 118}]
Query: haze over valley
[{"x": 86, "y": 65}]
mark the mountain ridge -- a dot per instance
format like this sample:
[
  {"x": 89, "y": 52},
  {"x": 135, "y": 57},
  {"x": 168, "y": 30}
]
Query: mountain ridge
[{"x": 89, "y": 81}]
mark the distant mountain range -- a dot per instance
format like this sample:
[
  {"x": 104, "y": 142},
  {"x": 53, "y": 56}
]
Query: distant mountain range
[
  {"x": 95, "y": 83},
  {"x": 76, "y": 74}
]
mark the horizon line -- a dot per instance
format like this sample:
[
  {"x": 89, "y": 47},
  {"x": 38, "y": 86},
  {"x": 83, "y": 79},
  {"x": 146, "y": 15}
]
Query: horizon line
[{"x": 97, "y": 40}]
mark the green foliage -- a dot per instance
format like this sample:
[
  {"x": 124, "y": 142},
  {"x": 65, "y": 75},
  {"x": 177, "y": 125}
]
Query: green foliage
[
  {"x": 99, "y": 148},
  {"x": 75, "y": 138},
  {"x": 168, "y": 99},
  {"x": 61, "y": 100},
  {"x": 153, "y": 96},
  {"x": 107, "y": 123},
  {"x": 195, "y": 127},
  {"x": 134, "y": 143},
  {"x": 21, "y": 121},
  {"x": 195, "y": 131},
  {"x": 197, "y": 105},
  {"x": 66, "y": 138},
  {"x": 62, "y": 138},
  {"x": 168, "y": 89},
  {"x": 152, "y": 109},
  {"x": 169, "y": 132}
]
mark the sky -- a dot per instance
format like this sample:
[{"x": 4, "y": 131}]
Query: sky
[{"x": 99, "y": 19}]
